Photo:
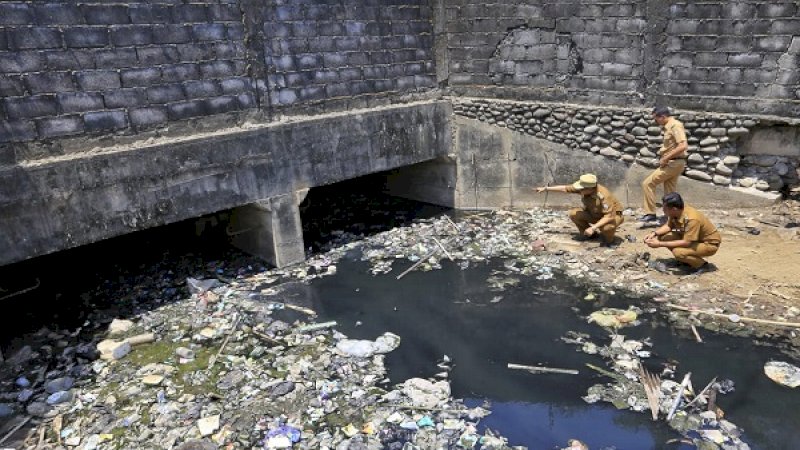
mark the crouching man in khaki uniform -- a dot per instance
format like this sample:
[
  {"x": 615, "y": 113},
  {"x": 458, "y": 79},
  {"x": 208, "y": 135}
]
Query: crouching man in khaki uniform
[
  {"x": 601, "y": 213},
  {"x": 688, "y": 234}
]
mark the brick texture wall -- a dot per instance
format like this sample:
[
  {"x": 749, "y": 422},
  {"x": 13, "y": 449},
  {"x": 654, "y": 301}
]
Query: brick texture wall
[
  {"x": 347, "y": 50},
  {"x": 733, "y": 55},
  {"x": 73, "y": 68},
  {"x": 94, "y": 68}
]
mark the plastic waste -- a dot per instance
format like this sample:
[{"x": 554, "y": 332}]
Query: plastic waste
[
  {"x": 425, "y": 421},
  {"x": 364, "y": 349},
  {"x": 199, "y": 286},
  {"x": 783, "y": 373},
  {"x": 612, "y": 317},
  {"x": 282, "y": 434}
]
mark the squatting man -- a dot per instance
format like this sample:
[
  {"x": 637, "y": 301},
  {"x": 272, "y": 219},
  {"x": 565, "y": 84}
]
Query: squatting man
[
  {"x": 688, "y": 234},
  {"x": 601, "y": 213}
]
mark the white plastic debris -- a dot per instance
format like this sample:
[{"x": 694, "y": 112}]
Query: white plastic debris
[
  {"x": 783, "y": 373},
  {"x": 363, "y": 348}
]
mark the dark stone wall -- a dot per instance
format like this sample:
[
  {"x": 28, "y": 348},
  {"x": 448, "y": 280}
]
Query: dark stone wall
[
  {"x": 74, "y": 68},
  {"x": 732, "y": 55},
  {"x": 344, "y": 52},
  {"x": 71, "y": 70}
]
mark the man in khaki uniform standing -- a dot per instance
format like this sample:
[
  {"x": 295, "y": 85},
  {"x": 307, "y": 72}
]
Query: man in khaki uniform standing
[
  {"x": 601, "y": 213},
  {"x": 688, "y": 234},
  {"x": 672, "y": 161}
]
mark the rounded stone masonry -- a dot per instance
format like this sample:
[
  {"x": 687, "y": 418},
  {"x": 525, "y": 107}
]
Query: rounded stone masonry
[{"x": 630, "y": 136}]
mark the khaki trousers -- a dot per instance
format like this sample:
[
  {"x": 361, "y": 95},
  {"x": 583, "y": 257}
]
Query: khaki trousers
[
  {"x": 663, "y": 175},
  {"x": 693, "y": 254},
  {"x": 583, "y": 219}
]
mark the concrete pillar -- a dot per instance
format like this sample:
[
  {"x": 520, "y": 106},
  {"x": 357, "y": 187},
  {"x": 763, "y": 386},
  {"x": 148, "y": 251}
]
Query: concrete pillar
[{"x": 270, "y": 229}]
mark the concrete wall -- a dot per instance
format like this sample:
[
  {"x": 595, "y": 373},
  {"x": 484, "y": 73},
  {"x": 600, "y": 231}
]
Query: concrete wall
[
  {"x": 723, "y": 55},
  {"x": 72, "y": 74},
  {"x": 58, "y": 204},
  {"x": 722, "y": 148},
  {"x": 500, "y": 167}
]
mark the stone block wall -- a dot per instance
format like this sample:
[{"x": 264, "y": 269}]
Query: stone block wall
[
  {"x": 92, "y": 69},
  {"x": 716, "y": 141},
  {"x": 719, "y": 55},
  {"x": 346, "y": 52}
]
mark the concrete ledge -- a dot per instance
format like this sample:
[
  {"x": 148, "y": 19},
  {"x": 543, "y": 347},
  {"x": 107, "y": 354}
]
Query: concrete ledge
[
  {"x": 83, "y": 198},
  {"x": 498, "y": 167}
]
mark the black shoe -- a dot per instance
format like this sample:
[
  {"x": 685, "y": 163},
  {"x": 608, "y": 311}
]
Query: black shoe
[
  {"x": 659, "y": 266},
  {"x": 648, "y": 218},
  {"x": 707, "y": 267}
]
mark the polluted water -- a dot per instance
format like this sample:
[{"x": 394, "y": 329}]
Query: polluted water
[{"x": 489, "y": 341}]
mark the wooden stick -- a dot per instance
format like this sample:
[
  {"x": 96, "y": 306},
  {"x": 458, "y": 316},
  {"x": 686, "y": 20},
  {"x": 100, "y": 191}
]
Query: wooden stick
[
  {"x": 422, "y": 408},
  {"x": 418, "y": 263},
  {"x": 768, "y": 223},
  {"x": 696, "y": 334},
  {"x": 22, "y": 291},
  {"x": 15, "y": 429},
  {"x": 310, "y": 312},
  {"x": 266, "y": 338},
  {"x": 539, "y": 369},
  {"x": 686, "y": 380},
  {"x": 317, "y": 326},
  {"x": 613, "y": 375},
  {"x": 651, "y": 389},
  {"x": 742, "y": 319},
  {"x": 453, "y": 224},
  {"x": 213, "y": 359},
  {"x": 443, "y": 249},
  {"x": 697, "y": 397}
]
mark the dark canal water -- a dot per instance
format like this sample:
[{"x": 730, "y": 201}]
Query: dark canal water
[{"x": 450, "y": 312}]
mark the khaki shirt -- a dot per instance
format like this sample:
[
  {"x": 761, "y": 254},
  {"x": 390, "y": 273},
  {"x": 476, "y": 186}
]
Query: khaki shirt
[
  {"x": 674, "y": 134},
  {"x": 693, "y": 226},
  {"x": 601, "y": 203}
]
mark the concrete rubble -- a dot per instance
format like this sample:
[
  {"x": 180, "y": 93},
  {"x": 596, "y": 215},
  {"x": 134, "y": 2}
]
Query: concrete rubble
[{"x": 203, "y": 363}]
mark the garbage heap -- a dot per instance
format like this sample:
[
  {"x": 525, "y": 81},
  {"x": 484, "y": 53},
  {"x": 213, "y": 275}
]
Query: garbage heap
[{"x": 692, "y": 413}]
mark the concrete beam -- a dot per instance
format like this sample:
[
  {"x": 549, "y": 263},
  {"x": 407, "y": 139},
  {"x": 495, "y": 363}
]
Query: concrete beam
[
  {"x": 80, "y": 198},
  {"x": 270, "y": 229}
]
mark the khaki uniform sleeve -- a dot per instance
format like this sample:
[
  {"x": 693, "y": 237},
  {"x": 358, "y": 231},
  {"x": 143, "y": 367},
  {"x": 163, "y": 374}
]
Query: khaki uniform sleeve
[
  {"x": 692, "y": 232},
  {"x": 679, "y": 133}
]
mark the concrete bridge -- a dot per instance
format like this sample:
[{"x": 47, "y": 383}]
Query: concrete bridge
[{"x": 119, "y": 117}]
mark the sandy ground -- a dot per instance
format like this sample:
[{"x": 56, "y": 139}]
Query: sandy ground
[{"x": 757, "y": 267}]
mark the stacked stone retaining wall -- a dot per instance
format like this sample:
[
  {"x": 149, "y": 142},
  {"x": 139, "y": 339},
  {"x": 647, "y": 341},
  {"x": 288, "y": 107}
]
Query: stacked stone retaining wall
[{"x": 716, "y": 153}]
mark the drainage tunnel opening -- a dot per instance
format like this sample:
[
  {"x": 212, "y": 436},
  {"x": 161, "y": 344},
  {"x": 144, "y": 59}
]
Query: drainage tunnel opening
[
  {"x": 360, "y": 207},
  {"x": 63, "y": 290}
]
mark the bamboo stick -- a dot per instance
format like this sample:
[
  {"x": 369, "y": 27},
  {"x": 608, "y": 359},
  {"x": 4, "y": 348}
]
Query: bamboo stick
[
  {"x": 539, "y": 369},
  {"x": 686, "y": 380},
  {"x": 418, "y": 263},
  {"x": 742, "y": 319},
  {"x": 449, "y": 256}
]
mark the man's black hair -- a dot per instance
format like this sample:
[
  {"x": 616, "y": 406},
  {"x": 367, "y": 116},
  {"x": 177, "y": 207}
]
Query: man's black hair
[
  {"x": 661, "y": 111},
  {"x": 672, "y": 200}
]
